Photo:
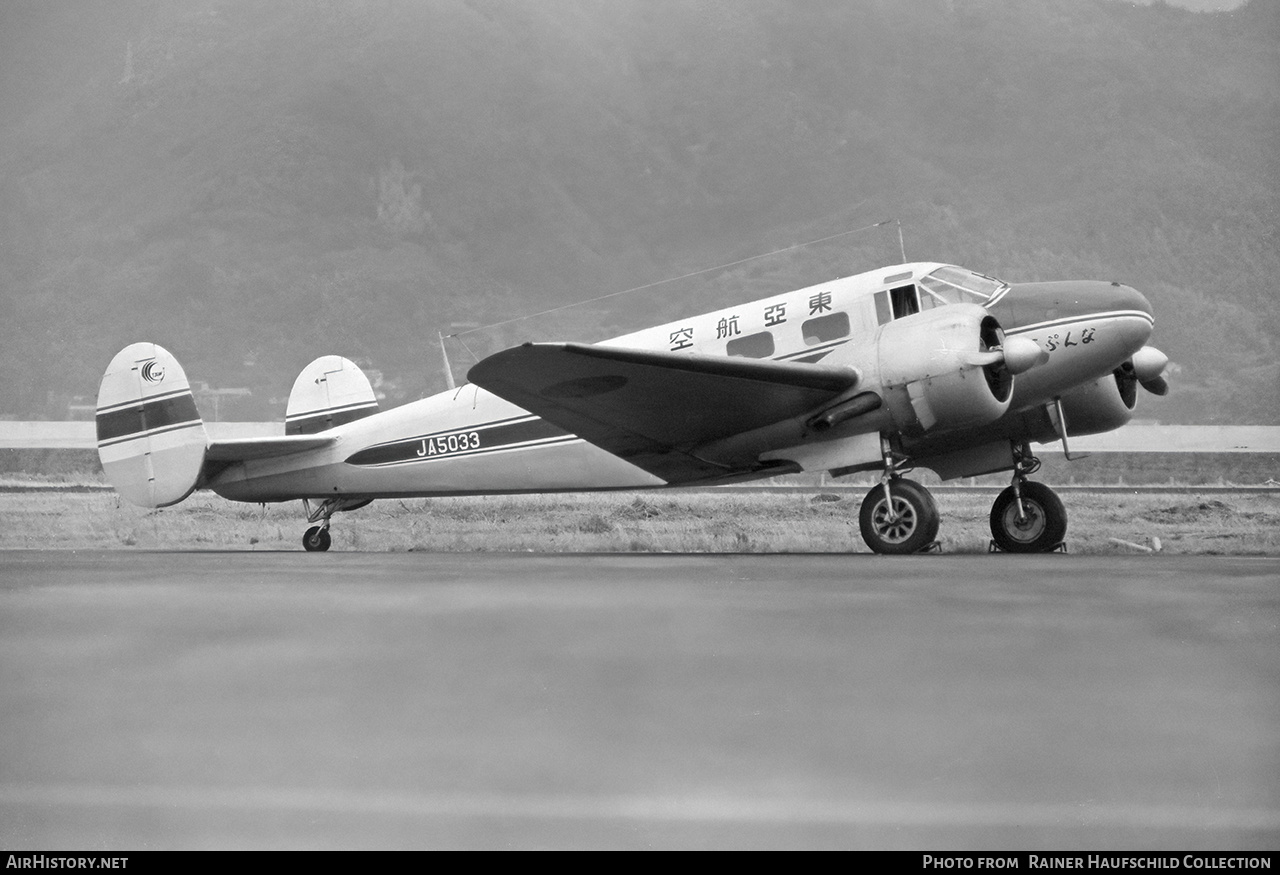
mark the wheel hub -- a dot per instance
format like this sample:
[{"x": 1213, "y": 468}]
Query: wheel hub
[
  {"x": 897, "y": 526},
  {"x": 1027, "y": 527}
]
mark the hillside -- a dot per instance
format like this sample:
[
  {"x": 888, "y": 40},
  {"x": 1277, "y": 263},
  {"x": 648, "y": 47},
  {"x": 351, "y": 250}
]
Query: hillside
[{"x": 252, "y": 184}]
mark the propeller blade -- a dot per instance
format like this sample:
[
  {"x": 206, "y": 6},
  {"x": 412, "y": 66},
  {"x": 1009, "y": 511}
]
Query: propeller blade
[
  {"x": 1156, "y": 386},
  {"x": 983, "y": 359},
  {"x": 1018, "y": 354}
]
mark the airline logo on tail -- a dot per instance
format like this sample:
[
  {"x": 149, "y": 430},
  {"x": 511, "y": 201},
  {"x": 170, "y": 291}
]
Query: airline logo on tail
[{"x": 153, "y": 371}]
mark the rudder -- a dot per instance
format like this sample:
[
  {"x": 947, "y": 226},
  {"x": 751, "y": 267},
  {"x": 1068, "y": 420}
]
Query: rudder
[{"x": 151, "y": 439}]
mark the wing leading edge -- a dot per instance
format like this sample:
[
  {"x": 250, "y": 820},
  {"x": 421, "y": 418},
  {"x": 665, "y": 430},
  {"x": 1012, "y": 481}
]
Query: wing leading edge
[
  {"x": 221, "y": 454},
  {"x": 656, "y": 408}
]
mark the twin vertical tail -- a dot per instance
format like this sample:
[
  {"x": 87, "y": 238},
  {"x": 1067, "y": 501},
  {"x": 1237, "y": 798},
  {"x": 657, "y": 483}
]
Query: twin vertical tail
[{"x": 151, "y": 440}]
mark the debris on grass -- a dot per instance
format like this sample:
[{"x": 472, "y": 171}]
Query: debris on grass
[
  {"x": 640, "y": 508},
  {"x": 1155, "y": 547}
]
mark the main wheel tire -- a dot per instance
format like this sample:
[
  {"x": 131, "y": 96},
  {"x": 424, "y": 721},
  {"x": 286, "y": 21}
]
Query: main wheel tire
[
  {"x": 1040, "y": 531},
  {"x": 316, "y": 540},
  {"x": 915, "y": 522}
]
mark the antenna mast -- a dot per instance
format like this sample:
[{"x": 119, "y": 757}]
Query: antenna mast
[{"x": 444, "y": 355}]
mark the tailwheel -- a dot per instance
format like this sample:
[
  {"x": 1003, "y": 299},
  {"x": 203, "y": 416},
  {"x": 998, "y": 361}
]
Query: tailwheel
[
  {"x": 903, "y": 521},
  {"x": 1028, "y": 517},
  {"x": 317, "y": 539}
]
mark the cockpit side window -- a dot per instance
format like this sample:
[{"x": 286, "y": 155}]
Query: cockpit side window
[{"x": 904, "y": 301}]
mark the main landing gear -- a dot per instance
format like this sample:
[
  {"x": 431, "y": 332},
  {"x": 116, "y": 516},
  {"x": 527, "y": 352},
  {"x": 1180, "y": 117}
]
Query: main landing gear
[
  {"x": 317, "y": 539},
  {"x": 1027, "y": 517},
  {"x": 899, "y": 516}
]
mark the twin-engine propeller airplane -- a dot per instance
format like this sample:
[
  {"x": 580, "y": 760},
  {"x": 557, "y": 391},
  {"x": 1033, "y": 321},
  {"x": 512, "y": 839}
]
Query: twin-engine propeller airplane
[{"x": 915, "y": 365}]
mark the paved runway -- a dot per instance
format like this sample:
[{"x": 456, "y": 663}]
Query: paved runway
[{"x": 346, "y": 700}]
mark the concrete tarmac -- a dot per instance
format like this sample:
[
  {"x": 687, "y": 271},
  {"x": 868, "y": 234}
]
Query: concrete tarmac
[{"x": 484, "y": 701}]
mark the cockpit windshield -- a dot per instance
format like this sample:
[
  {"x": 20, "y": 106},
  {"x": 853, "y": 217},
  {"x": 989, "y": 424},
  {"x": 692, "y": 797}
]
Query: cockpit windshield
[{"x": 956, "y": 285}]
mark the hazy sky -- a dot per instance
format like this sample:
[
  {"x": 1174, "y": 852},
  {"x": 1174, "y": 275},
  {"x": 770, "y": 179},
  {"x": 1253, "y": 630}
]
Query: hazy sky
[{"x": 1198, "y": 5}]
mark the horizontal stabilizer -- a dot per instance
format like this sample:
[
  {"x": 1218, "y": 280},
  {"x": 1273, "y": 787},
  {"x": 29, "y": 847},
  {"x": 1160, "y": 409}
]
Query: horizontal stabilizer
[
  {"x": 653, "y": 408},
  {"x": 247, "y": 449}
]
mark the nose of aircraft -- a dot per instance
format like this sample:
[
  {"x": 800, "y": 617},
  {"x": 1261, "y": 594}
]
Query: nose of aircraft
[
  {"x": 1126, "y": 312},
  {"x": 1129, "y": 298},
  {"x": 1078, "y": 297}
]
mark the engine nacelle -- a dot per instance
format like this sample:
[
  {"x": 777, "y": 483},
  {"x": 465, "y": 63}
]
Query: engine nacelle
[
  {"x": 942, "y": 369},
  {"x": 1101, "y": 406}
]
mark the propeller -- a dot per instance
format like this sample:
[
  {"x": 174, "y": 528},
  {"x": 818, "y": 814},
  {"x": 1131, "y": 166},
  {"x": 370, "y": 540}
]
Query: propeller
[
  {"x": 1145, "y": 369},
  {"x": 1022, "y": 354},
  {"x": 1019, "y": 354},
  {"x": 1148, "y": 366}
]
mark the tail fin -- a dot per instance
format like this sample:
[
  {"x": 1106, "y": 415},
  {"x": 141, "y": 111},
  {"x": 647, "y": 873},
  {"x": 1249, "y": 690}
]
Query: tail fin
[
  {"x": 330, "y": 391},
  {"x": 151, "y": 440}
]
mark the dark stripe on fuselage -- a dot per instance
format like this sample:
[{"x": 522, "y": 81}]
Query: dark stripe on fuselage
[
  {"x": 147, "y": 416},
  {"x": 456, "y": 442},
  {"x": 811, "y": 355},
  {"x": 812, "y": 359}
]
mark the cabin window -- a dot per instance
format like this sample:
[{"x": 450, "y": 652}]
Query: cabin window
[
  {"x": 904, "y": 301},
  {"x": 753, "y": 346},
  {"x": 830, "y": 327}
]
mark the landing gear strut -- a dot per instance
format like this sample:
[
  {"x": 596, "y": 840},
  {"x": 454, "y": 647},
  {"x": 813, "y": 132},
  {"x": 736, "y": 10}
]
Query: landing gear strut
[
  {"x": 898, "y": 516},
  {"x": 1027, "y": 517},
  {"x": 317, "y": 539}
]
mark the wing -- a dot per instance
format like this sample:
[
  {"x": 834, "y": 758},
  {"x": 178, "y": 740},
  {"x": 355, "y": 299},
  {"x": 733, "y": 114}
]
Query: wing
[{"x": 652, "y": 408}]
